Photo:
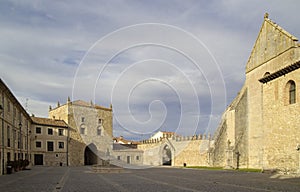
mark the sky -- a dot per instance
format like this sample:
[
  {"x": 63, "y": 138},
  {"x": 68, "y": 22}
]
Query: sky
[{"x": 164, "y": 65}]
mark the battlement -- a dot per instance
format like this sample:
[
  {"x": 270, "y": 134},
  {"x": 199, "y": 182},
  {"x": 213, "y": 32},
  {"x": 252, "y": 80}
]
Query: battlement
[{"x": 178, "y": 138}]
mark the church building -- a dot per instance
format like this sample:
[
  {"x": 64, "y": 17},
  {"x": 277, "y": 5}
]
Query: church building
[{"x": 261, "y": 127}]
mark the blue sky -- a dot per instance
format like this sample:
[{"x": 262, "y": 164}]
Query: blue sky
[{"x": 50, "y": 50}]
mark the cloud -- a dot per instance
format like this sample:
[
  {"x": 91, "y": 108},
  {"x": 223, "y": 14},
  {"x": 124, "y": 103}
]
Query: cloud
[{"x": 42, "y": 45}]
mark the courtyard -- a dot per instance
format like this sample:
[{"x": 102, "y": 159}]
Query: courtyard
[{"x": 71, "y": 179}]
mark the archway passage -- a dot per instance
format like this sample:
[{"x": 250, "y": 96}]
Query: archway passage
[
  {"x": 90, "y": 158},
  {"x": 167, "y": 156}
]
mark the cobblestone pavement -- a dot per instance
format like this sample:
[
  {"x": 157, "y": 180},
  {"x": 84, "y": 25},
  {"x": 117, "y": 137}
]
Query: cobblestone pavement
[{"x": 65, "y": 179}]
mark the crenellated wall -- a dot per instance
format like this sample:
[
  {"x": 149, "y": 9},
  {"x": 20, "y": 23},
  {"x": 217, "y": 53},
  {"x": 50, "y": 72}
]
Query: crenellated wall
[{"x": 189, "y": 150}]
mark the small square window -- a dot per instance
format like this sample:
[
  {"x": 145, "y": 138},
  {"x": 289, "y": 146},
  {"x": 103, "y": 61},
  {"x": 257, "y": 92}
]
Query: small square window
[
  {"x": 100, "y": 121},
  {"x": 61, "y": 145},
  {"x": 50, "y": 131},
  {"x": 60, "y": 132},
  {"x": 38, "y": 144},
  {"x": 137, "y": 158},
  {"x": 82, "y": 119},
  {"x": 38, "y": 130},
  {"x": 119, "y": 157}
]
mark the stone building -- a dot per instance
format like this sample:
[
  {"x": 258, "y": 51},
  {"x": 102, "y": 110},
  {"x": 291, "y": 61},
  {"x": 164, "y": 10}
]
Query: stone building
[
  {"x": 15, "y": 126},
  {"x": 260, "y": 129},
  {"x": 90, "y": 131},
  {"x": 49, "y": 142}
]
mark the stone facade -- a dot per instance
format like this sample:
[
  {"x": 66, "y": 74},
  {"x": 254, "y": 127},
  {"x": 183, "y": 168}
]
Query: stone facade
[
  {"x": 126, "y": 157},
  {"x": 177, "y": 151},
  {"x": 90, "y": 125},
  {"x": 265, "y": 132},
  {"x": 49, "y": 142},
  {"x": 15, "y": 126}
]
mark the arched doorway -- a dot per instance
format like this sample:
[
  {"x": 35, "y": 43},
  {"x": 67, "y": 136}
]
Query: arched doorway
[
  {"x": 166, "y": 156},
  {"x": 90, "y": 157}
]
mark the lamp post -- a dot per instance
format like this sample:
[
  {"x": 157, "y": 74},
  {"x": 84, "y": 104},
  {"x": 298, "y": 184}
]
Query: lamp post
[{"x": 2, "y": 130}]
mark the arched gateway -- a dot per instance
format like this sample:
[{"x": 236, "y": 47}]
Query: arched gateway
[
  {"x": 90, "y": 155},
  {"x": 166, "y": 156}
]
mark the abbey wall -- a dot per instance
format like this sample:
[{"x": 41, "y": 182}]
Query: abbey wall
[
  {"x": 177, "y": 151},
  {"x": 261, "y": 126}
]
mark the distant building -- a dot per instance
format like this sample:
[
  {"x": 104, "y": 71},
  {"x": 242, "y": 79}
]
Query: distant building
[
  {"x": 49, "y": 142},
  {"x": 163, "y": 134}
]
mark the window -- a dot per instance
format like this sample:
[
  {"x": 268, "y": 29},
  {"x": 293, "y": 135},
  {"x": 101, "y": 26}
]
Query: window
[
  {"x": 82, "y": 130},
  {"x": 8, "y": 136},
  {"x": 137, "y": 158},
  {"x": 119, "y": 157},
  {"x": 98, "y": 131},
  {"x": 292, "y": 92},
  {"x": 50, "y": 131},
  {"x": 82, "y": 119},
  {"x": 60, "y": 132},
  {"x": 100, "y": 121},
  {"x": 38, "y": 130},
  {"x": 128, "y": 159},
  {"x": 50, "y": 146},
  {"x": 19, "y": 139},
  {"x": 14, "y": 112},
  {"x": 8, "y": 106},
  {"x": 8, "y": 156},
  {"x": 38, "y": 144},
  {"x": 61, "y": 145},
  {"x": 14, "y": 135}
]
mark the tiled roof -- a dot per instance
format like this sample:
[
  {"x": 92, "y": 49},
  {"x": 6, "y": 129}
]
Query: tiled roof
[
  {"x": 49, "y": 122},
  {"x": 121, "y": 140}
]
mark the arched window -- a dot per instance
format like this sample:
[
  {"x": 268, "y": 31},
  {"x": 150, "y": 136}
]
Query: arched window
[
  {"x": 82, "y": 130},
  {"x": 292, "y": 92},
  {"x": 266, "y": 74},
  {"x": 99, "y": 131}
]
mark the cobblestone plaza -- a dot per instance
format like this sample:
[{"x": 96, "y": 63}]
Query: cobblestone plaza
[{"x": 71, "y": 179}]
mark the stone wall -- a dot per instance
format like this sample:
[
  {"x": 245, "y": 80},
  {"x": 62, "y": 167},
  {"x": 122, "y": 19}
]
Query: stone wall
[
  {"x": 260, "y": 124},
  {"x": 219, "y": 149},
  {"x": 281, "y": 125},
  {"x": 241, "y": 132},
  {"x": 193, "y": 150}
]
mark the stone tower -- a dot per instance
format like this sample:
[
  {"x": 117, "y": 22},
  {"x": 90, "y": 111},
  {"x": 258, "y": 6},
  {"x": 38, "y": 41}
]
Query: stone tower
[{"x": 90, "y": 130}]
